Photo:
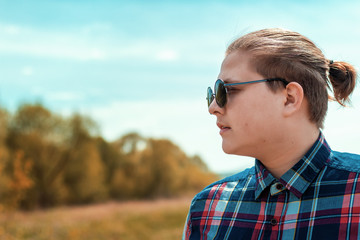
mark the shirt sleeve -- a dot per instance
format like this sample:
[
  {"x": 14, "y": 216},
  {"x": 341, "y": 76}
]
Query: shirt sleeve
[{"x": 187, "y": 228}]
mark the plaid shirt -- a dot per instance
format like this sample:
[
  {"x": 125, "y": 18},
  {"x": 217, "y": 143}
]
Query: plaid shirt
[{"x": 318, "y": 198}]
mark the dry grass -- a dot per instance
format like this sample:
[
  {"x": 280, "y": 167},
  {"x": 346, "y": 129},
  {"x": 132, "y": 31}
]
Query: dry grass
[{"x": 158, "y": 219}]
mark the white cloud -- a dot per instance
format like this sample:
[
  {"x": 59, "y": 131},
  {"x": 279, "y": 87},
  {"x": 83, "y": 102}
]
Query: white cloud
[
  {"x": 97, "y": 54},
  {"x": 96, "y": 28},
  {"x": 52, "y": 44},
  {"x": 97, "y": 42},
  {"x": 49, "y": 96},
  {"x": 167, "y": 55},
  {"x": 63, "y": 96},
  {"x": 341, "y": 127},
  {"x": 27, "y": 71},
  {"x": 9, "y": 29}
]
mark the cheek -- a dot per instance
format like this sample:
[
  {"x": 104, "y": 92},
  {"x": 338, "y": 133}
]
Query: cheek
[
  {"x": 245, "y": 122},
  {"x": 253, "y": 114},
  {"x": 258, "y": 116}
]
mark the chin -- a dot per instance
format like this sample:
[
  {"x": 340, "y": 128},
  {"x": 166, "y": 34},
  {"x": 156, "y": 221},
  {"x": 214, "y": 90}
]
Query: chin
[
  {"x": 227, "y": 152},
  {"x": 234, "y": 150},
  {"x": 228, "y": 149}
]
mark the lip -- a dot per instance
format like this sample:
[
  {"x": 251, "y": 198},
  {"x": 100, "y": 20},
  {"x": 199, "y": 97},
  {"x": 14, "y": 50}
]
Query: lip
[{"x": 223, "y": 128}]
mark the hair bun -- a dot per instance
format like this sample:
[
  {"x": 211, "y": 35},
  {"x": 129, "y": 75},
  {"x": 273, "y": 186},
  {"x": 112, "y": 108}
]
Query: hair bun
[{"x": 342, "y": 77}]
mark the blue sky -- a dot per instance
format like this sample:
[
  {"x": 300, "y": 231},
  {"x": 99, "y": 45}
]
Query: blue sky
[{"x": 145, "y": 65}]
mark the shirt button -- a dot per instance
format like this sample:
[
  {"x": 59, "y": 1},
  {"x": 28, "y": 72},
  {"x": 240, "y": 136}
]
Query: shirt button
[
  {"x": 273, "y": 221},
  {"x": 279, "y": 186}
]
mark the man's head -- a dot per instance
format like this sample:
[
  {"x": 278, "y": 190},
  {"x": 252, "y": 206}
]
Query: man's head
[
  {"x": 255, "y": 116},
  {"x": 285, "y": 54},
  {"x": 258, "y": 115}
]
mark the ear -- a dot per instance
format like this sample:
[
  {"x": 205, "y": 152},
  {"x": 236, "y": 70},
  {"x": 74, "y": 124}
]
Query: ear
[{"x": 294, "y": 98}]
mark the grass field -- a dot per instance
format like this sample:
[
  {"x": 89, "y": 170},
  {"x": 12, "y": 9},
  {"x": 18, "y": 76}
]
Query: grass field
[{"x": 146, "y": 220}]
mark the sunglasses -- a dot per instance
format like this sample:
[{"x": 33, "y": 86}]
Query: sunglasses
[{"x": 220, "y": 89}]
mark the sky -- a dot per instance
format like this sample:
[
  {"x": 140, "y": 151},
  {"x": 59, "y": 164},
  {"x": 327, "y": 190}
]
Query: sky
[{"x": 144, "y": 66}]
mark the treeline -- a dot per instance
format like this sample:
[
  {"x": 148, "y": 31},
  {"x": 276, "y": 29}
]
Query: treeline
[{"x": 48, "y": 160}]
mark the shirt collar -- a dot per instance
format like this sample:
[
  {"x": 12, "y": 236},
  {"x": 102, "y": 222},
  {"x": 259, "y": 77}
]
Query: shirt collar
[{"x": 301, "y": 175}]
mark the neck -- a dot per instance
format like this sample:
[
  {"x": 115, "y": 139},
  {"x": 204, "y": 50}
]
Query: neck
[{"x": 284, "y": 154}]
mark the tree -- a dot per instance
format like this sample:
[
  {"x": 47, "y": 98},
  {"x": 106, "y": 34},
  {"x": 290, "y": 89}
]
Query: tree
[
  {"x": 84, "y": 170},
  {"x": 153, "y": 168},
  {"x": 4, "y": 158},
  {"x": 125, "y": 178},
  {"x": 48, "y": 160},
  {"x": 35, "y": 132}
]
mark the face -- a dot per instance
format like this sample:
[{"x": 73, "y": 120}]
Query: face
[{"x": 251, "y": 119}]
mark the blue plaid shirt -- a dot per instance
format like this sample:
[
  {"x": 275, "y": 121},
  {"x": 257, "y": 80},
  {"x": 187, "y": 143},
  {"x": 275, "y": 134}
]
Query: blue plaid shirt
[{"x": 318, "y": 198}]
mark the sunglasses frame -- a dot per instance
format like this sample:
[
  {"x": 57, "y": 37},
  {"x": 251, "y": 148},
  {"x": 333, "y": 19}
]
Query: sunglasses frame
[{"x": 220, "y": 86}]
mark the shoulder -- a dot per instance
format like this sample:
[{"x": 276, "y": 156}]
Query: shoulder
[
  {"x": 344, "y": 161},
  {"x": 232, "y": 183}
]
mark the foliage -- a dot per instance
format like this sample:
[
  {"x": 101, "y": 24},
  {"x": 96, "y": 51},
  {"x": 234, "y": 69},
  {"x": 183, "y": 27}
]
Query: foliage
[{"x": 48, "y": 160}]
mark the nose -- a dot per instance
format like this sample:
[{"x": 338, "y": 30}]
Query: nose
[{"x": 214, "y": 108}]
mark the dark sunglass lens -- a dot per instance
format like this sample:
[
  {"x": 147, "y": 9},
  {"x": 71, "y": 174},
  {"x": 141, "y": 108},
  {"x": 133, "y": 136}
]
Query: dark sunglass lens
[
  {"x": 220, "y": 93},
  {"x": 210, "y": 96}
]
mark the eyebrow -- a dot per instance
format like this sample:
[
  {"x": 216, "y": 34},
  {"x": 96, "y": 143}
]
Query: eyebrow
[
  {"x": 256, "y": 81},
  {"x": 227, "y": 80},
  {"x": 230, "y": 82}
]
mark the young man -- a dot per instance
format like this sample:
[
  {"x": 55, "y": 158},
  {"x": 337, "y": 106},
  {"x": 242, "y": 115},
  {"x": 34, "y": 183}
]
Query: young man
[{"x": 270, "y": 102}]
